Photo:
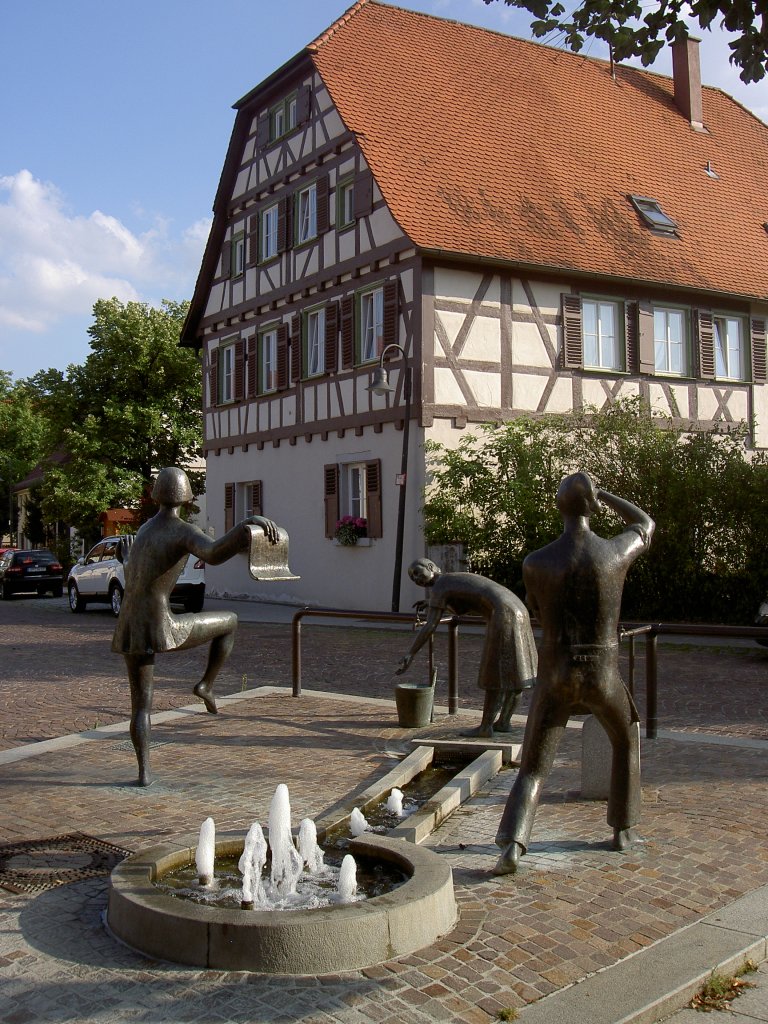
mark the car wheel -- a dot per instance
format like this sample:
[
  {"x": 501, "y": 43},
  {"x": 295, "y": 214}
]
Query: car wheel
[
  {"x": 58, "y": 591},
  {"x": 196, "y": 602},
  {"x": 7, "y": 592},
  {"x": 76, "y": 603},
  {"x": 116, "y": 598}
]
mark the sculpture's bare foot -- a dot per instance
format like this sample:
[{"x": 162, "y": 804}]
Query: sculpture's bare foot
[
  {"x": 205, "y": 692},
  {"x": 624, "y": 838},
  {"x": 509, "y": 861},
  {"x": 145, "y": 778},
  {"x": 503, "y": 727},
  {"x": 484, "y": 731}
]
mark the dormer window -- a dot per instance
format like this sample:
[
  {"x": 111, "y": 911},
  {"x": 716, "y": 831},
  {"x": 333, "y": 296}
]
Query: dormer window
[{"x": 653, "y": 216}]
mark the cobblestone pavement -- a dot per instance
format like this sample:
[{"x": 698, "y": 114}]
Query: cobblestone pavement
[{"x": 575, "y": 907}]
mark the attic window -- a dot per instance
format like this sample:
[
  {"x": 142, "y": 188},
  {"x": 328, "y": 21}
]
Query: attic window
[{"x": 653, "y": 216}]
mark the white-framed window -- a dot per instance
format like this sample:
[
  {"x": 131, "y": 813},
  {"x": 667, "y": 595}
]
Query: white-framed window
[
  {"x": 238, "y": 255},
  {"x": 670, "y": 336},
  {"x": 248, "y": 499},
  {"x": 306, "y": 214},
  {"x": 277, "y": 121},
  {"x": 371, "y": 324},
  {"x": 345, "y": 203},
  {"x": 268, "y": 360},
  {"x": 269, "y": 219},
  {"x": 601, "y": 334},
  {"x": 227, "y": 374},
  {"x": 729, "y": 347},
  {"x": 315, "y": 334},
  {"x": 290, "y": 113},
  {"x": 353, "y": 490}
]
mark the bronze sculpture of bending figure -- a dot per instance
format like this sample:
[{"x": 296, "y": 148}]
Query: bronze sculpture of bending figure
[
  {"x": 508, "y": 662},
  {"x": 147, "y": 626},
  {"x": 574, "y": 587}
]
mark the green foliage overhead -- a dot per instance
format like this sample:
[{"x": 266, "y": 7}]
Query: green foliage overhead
[
  {"x": 495, "y": 494},
  {"x": 23, "y": 437},
  {"x": 635, "y": 29},
  {"x": 131, "y": 408}
]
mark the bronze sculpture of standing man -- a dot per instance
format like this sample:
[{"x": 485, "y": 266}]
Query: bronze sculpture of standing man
[
  {"x": 574, "y": 587},
  {"x": 147, "y": 626}
]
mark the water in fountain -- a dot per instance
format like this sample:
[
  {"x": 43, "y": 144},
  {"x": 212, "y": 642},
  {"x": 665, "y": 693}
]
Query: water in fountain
[
  {"x": 347, "y": 885},
  {"x": 251, "y": 865},
  {"x": 286, "y": 860},
  {"x": 395, "y": 802},
  {"x": 358, "y": 823},
  {"x": 205, "y": 853},
  {"x": 310, "y": 852}
]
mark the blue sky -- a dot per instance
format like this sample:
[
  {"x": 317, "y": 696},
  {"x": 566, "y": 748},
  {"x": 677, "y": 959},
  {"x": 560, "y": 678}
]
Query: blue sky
[{"x": 114, "y": 120}]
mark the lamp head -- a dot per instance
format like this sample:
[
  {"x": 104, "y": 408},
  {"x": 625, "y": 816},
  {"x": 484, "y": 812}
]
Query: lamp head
[{"x": 380, "y": 382}]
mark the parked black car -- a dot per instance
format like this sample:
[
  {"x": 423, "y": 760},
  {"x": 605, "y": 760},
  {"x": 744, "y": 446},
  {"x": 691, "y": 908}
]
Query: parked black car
[{"x": 36, "y": 571}]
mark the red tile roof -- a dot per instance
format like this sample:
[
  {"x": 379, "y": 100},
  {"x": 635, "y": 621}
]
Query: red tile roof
[{"x": 492, "y": 146}]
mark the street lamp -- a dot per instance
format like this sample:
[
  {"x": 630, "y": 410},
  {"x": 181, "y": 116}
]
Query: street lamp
[{"x": 380, "y": 386}]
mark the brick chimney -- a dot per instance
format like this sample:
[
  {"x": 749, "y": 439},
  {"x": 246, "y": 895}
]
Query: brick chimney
[{"x": 686, "y": 75}]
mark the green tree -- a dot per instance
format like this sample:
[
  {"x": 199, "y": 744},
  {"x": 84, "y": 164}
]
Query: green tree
[
  {"x": 495, "y": 493},
  {"x": 23, "y": 439},
  {"x": 636, "y": 29},
  {"x": 131, "y": 408}
]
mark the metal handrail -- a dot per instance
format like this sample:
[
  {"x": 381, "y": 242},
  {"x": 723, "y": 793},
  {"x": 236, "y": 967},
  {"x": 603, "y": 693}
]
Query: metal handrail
[
  {"x": 627, "y": 631},
  {"x": 453, "y": 622}
]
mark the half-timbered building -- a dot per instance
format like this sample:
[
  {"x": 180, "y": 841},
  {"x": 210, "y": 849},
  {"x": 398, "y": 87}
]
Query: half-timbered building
[{"x": 534, "y": 230}]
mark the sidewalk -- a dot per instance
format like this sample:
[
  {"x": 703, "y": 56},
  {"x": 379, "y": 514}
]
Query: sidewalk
[{"x": 581, "y": 933}]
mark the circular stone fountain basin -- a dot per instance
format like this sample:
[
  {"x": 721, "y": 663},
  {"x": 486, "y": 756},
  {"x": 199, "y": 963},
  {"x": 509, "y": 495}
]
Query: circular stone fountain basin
[{"x": 326, "y": 940}]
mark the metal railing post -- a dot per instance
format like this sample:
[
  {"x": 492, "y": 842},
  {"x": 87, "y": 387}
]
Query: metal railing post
[
  {"x": 453, "y": 667},
  {"x": 296, "y": 653},
  {"x": 651, "y": 686}
]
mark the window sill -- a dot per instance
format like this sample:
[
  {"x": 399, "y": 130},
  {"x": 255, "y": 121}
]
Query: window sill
[{"x": 362, "y": 542}]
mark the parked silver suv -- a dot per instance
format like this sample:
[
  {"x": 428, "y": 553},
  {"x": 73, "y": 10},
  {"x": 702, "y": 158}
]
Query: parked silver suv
[{"x": 99, "y": 577}]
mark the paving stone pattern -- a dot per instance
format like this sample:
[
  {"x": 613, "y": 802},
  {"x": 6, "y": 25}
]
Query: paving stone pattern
[{"x": 574, "y": 908}]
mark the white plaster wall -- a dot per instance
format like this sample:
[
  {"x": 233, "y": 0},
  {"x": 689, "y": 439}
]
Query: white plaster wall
[
  {"x": 292, "y": 477},
  {"x": 760, "y": 406},
  {"x": 547, "y": 297},
  {"x": 463, "y": 285},
  {"x": 527, "y": 346}
]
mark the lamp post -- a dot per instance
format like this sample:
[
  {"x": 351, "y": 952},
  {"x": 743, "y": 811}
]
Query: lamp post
[{"x": 380, "y": 386}]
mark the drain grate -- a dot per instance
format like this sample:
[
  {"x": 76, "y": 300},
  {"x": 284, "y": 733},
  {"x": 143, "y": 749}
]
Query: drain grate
[{"x": 39, "y": 864}]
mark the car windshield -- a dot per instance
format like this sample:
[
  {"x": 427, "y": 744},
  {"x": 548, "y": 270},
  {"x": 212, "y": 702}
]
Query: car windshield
[{"x": 39, "y": 557}]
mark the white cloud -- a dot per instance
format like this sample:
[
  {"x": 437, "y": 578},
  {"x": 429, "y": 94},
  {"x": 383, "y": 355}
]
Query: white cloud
[{"x": 55, "y": 263}]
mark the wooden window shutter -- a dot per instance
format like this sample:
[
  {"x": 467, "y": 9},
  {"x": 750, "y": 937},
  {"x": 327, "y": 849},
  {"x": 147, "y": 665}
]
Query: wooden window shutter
[
  {"x": 572, "y": 348},
  {"x": 390, "y": 323},
  {"x": 262, "y": 131},
  {"x": 282, "y": 357},
  {"x": 631, "y": 338},
  {"x": 331, "y": 337},
  {"x": 373, "y": 496},
  {"x": 284, "y": 208},
  {"x": 323, "y": 190},
  {"x": 255, "y": 498},
  {"x": 347, "y": 332},
  {"x": 704, "y": 330},
  {"x": 296, "y": 346},
  {"x": 252, "y": 367},
  {"x": 331, "y": 498},
  {"x": 226, "y": 260},
  {"x": 213, "y": 379},
  {"x": 303, "y": 104},
  {"x": 252, "y": 242},
  {"x": 239, "y": 370},
  {"x": 645, "y": 336},
  {"x": 758, "y": 350},
  {"x": 363, "y": 194},
  {"x": 229, "y": 506}
]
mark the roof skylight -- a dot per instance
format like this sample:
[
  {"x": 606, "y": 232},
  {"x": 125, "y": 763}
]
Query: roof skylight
[{"x": 653, "y": 216}]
